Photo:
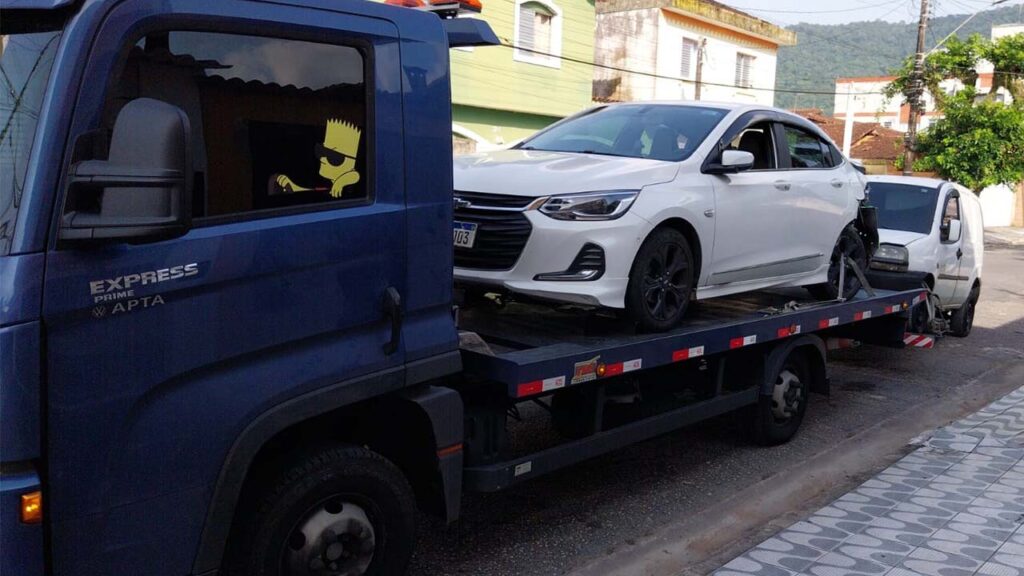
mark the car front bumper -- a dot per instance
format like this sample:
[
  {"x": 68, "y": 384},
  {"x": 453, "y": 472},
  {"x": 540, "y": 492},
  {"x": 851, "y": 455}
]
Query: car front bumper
[
  {"x": 887, "y": 280},
  {"x": 552, "y": 247}
]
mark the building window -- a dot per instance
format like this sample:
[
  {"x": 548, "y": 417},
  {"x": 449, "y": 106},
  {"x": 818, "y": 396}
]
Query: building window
[
  {"x": 689, "y": 58},
  {"x": 538, "y": 37},
  {"x": 887, "y": 123},
  {"x": 744, "y": 62}
]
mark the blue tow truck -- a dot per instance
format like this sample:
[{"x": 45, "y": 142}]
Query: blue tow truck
[{"x": 228, "y": 334}]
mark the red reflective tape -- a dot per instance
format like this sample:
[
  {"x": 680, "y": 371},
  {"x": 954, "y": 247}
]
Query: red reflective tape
[
  {"x": 736, "y": 342},
  {"x": 687, "y": 353},
  {"x": 453, "y": 449},
  {"x": 787, "y": 331},
  {"x": 535, "y": 387},
  {"x": 828, "y": 322},
  {"x": 613, "y": 369},
  {"x": 863, "y": 315}
]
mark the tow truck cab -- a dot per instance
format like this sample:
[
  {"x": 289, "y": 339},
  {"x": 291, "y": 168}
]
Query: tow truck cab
[{"x": 217, "y": 220}]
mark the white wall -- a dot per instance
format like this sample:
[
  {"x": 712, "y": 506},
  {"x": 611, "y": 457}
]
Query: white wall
[
  {"x": 997, "y": 205},
  {"x": 647, "y": 41},
  {"x": 719, "y": 66}
]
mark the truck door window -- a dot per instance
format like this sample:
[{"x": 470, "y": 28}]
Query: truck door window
[
  {"x": 25, "y": 62},
  {"x": 275, "y": 123}
]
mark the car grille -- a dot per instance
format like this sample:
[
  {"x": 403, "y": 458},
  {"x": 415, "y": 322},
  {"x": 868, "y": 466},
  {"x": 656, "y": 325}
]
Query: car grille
[{"x": 501, "y": 232}]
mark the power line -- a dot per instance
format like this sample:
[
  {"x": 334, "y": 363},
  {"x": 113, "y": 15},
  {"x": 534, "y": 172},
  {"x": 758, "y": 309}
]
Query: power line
[
  {"x": 505, "y": 42},
  {"x": 767, "y": 11}
]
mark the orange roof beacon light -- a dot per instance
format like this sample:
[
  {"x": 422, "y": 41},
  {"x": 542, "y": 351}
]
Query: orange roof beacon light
[
  {"x": 443, "y": 8},
  {"x": 32, "y": 507}
]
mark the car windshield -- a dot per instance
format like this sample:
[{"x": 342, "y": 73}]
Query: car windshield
[
  {"x": 904, "y": 206},
  {"x": 25, "y": 61},
  {"x": 656, "y": 132}
]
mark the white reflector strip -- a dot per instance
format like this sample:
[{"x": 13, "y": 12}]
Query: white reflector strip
[
  {"x": 552, "y": 383},
  {"x": 631, "y": 365}
]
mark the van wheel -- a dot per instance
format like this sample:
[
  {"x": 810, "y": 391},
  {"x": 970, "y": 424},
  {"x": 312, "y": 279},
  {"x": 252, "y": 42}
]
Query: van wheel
[
  {"x": 851, "y": 245},
  {"x": 963, "y": 319},
  {"x": 344, "y": 510},
  {"x": 776, "y": 418},
  {"x": 661, "y": 281}
]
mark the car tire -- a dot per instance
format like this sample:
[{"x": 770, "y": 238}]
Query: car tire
[
  {"x": 851, "y": 244},
  {"x": 660, "y": 282},
  {"x": 963, "y": 318},
  {"x": 771, "y": 423},
  {"x": 344, "y": 505}
]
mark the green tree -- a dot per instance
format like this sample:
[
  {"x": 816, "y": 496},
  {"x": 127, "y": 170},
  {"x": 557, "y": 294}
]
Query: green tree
[{"x": 978, "y": 141}]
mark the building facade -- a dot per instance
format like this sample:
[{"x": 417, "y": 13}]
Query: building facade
[
  {"x": 656, "y": 49},
  {"x": 862, "y": 96},
  {"x": 541, "y": 73}
]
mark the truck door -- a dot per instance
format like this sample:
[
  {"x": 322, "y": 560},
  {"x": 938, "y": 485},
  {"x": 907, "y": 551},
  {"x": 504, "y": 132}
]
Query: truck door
[
  {"x": 950, "y": 251},
  {"x": 160, "y": 352}
]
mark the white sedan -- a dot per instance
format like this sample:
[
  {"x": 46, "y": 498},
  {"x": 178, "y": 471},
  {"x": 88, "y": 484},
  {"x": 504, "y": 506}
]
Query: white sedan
[{"x": 645, "y": 206}]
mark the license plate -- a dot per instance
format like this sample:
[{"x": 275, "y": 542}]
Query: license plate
[{"x": 464, "y": 233}]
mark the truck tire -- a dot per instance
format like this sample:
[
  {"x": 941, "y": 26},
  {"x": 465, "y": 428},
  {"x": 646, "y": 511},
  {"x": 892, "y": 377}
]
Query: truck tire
[
  {"x": 776, "y": 417},
  {"x": 963, "y": 318},
  {"x": 342, "y": 510},
  {"x": 850, "y": 244},
  {"x": 660, "y": 281}
]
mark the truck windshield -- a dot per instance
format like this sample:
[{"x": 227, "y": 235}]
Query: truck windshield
[
  {"x": 654, "y": 131},
  {"x": 903, "y": 206},
  {"x": 25, "y": 62}
]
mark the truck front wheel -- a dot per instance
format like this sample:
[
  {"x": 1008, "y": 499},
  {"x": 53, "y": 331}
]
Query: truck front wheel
[{"x": 343, "y": 510}]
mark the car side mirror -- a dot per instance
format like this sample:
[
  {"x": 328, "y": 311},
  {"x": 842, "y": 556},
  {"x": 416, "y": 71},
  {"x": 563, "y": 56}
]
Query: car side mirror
[
  {"x": 142, "y": 191},
  {"x": 732, "y": 161},
  {"x": 950, "y": 232}
]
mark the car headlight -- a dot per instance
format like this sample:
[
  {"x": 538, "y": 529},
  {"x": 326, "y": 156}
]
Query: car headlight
[
  {"x": 891, "y": 257},
  {"x": 590, "y": 205}
]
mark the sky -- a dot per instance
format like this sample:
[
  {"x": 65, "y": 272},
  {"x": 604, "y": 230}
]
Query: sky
[{"x": 786, "y": 12}]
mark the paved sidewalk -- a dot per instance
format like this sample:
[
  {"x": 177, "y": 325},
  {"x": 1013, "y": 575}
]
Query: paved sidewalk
[
  {"x": 953, "y": 507},
  {"x": 1004, "y": 236}
]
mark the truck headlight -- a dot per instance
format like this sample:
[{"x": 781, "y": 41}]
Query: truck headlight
[
  {"x": 590, "y": 205},
  {"x": 891, "y": 257}
]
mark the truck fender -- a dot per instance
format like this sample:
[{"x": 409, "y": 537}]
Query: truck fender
[
  {"x": 816, "y": 358},
  {"x": 443, "y": 407}
]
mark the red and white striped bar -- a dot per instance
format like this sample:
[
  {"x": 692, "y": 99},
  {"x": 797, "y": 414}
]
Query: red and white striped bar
[
  {"x": 918, "y": 340},
  {"x": 539, "y": 386},
  {"x": 828, "y": 322}
]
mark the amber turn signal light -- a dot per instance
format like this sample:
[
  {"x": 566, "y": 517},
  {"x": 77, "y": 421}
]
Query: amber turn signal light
[{"x": 32, "y": 507}]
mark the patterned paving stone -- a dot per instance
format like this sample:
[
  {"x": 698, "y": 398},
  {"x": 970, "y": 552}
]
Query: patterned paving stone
[{"x": 953, "y": 507}]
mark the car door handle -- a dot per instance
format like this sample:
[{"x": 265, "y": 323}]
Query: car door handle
[
  {"x": 393, "y": 310},
  {"x": 782, "y": 185},
  {"x": 836, "y": 183},
  {"x": 959, "y": 253}
]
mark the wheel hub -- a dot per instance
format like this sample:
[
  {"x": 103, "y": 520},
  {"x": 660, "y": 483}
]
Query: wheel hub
[
  {"x": 786, "y": 395},
  {"x": 336, "y": 538}
]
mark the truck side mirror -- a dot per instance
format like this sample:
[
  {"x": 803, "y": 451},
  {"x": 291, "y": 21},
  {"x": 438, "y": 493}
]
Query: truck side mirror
[
  {"x": 950, "y": 232},
  {"x": 142, "y": 191}
]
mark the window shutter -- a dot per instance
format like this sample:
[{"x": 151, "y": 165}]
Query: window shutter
[
  {"x": 686, "y": 64},
  {"x": 526, "y": 16},
  {"x": 743, "y": 63}
]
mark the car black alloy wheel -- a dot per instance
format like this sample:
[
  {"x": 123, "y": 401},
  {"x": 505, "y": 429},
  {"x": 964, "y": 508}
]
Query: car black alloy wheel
[{"x": 666, "y": 282}]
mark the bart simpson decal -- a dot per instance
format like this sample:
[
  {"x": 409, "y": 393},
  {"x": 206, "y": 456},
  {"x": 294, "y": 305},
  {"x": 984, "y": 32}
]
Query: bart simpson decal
[{"x": 337, "y": 157}]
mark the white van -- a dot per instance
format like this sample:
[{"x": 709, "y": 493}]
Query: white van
[{"x": 930, "y": 233}]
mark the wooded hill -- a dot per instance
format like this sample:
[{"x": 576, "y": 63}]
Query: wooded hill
[{"x": 873, "y": 48}]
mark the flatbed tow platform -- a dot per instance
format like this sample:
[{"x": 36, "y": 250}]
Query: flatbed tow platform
[{"x": 729, "y": 353}]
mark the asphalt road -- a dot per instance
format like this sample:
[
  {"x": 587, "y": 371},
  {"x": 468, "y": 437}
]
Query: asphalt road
[{"x": 685, "y": 502}]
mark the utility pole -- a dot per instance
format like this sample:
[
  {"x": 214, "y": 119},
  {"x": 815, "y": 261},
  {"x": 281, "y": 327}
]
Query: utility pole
[
  {"x": 700, "y": 67},
  {"x": 915, "y": 99}
]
